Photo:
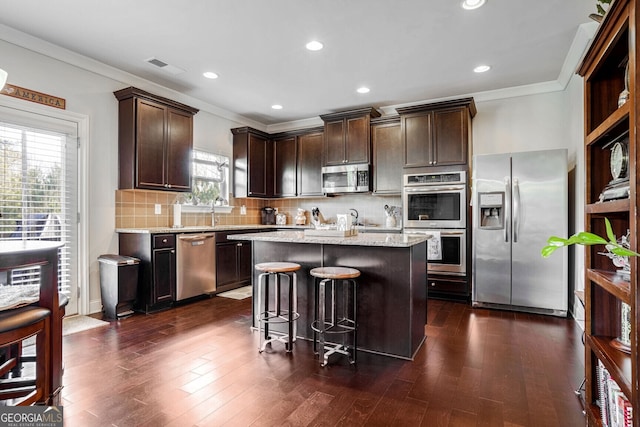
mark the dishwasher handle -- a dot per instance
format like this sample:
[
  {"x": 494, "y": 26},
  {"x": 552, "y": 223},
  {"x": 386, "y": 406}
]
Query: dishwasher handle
[{"x": 197, "y": 239}]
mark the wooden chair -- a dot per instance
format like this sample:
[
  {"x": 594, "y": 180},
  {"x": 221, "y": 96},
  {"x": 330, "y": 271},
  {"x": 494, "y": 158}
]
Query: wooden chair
[
  {"x": 42, "y": 318},
  {"x": 17, "y": 325}
]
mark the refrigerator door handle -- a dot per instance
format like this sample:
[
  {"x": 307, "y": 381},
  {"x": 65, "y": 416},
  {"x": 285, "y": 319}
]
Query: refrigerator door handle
[
  {"x": 507, "y": 208},
  {"x": 516, "y": 210}
]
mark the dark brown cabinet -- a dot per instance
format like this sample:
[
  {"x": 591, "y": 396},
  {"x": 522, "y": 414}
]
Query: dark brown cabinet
[
  {"x": 347, "y": 136},
  {"x": 155, "y": 140},
  {"x": 285, "y": 167},
  {"x": 233, "y": 262},
  {"x": 157, "y": 269},
  {"x": 310, "y": 164},
  {"x": 448, "y": 287},
  {"x": 280, "y": 165},
  {"x": 437, "y": 134},
  {"x": 387, "y": 156},
  {"x": 253, "y": 167}
]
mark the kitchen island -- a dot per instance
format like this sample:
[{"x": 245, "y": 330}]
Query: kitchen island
[{"x": 392, "y": 288}]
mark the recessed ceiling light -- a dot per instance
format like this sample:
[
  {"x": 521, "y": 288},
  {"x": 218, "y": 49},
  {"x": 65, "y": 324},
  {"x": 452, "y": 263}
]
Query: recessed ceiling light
[
  {"x": 210, "y": 75},
  {"x": 276, "y": 107},
  {"x": 472, "y": 4},
  {"x": 363, "y": 89},
  {"x": 314, "y": 45},
  {"x": 481, "y": 68}
]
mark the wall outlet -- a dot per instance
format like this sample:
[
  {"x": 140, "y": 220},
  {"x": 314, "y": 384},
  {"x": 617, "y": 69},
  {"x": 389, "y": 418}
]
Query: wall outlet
[
  {"x": 243, "y": 210},
  {"x": 158, "y": 209}
]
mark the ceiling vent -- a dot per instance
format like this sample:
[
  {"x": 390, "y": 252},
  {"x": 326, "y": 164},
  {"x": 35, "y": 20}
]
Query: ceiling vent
[{"x": 164, "y": 66}]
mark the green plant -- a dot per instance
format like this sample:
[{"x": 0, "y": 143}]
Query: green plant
[
  {"x": 599, "y": 6},
  {"x": 588, "y": 239}
]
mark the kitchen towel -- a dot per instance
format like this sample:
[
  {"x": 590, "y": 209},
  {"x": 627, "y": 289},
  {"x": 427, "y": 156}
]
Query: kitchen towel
[{"x": 434, "y": 247}]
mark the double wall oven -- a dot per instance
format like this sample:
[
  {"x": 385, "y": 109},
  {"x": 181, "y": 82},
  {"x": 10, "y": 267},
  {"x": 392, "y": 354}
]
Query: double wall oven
[{"x": 436, "y": 203}]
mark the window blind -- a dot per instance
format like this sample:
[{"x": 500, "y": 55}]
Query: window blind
[{"x": 38, "y": 194}]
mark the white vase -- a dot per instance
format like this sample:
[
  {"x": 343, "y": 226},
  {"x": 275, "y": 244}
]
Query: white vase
[{"x": 390, "y": 222}]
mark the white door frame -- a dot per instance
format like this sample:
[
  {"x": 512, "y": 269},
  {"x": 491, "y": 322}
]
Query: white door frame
[{"x": 82, "y": 122}]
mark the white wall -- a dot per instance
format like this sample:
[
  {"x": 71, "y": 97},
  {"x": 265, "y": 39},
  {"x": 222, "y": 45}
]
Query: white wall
[{"x": 91, "y": 94}]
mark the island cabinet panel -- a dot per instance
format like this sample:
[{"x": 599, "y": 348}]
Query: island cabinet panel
[
  {"x": 285, "y": 164},
  {"x": 387, "y": 157},
  {"x": 252, "y": 163},
  {"x": 157, "y": 268},
  {"x": 437, "y": 134},
  {"x": 309, "y": 164},
  {"x": 155, "y": 140},
  {"x": 347, "y": 138},
  {"x": 392, "y": 296}
]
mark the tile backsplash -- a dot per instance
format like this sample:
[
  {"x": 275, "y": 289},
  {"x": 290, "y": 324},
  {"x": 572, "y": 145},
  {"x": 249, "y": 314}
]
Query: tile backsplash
[{"x": 136, "y": 209}]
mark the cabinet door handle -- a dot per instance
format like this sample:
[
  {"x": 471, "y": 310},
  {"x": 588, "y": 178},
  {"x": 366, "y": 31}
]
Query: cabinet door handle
[
  {"x": 433, "y": 284},
  {"x": 238, "y": 244},
  {"x": 164, "y": 240}
]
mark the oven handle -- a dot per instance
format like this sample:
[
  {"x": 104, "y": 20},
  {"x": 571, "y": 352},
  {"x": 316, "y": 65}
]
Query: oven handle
[
  {"x": 451, "y": 233},
  {"x": 432, "y": 189},
  {"x": 442, "y": 232}
]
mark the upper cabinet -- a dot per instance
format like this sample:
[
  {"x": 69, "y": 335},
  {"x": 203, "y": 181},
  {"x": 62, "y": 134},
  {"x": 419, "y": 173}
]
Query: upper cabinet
[
  {"x": 155, "y": 140},
  {"x": 285, "y": 167},
  {"x": 347, "y": 136},
  {"x": 387, "y": 156},
  {"x": 437, "y": 134},
  {"x": 253, "y": 167},
  {"x": 310, "y": 164},
  {"x": 287, "y": 164}
]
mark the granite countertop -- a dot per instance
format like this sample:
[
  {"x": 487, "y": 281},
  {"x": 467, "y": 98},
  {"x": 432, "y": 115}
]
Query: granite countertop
[
  {"x": 208, "y": 228},
  {"x": 361, "y": 239}
]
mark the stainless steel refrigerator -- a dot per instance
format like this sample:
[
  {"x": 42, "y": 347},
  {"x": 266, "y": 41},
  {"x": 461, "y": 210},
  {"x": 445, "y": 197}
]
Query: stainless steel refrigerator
[{"x": 519, "y": 200}]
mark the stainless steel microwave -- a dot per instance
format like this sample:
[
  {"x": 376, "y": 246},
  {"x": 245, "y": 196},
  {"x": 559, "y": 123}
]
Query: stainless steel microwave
[{"x": 346, "y": 178}]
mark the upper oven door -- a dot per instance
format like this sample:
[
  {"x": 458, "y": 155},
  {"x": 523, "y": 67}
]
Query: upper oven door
[{"x": 434, "y": 206}]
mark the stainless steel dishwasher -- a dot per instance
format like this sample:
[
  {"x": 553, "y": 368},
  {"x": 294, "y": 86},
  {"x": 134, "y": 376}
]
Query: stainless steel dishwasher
[{"x": 195, "y": 265}]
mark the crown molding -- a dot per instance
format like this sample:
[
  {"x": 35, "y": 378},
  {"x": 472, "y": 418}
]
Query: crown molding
[
  {"x": 582, "y": 39},
  {"x": 43, "y": 47}
]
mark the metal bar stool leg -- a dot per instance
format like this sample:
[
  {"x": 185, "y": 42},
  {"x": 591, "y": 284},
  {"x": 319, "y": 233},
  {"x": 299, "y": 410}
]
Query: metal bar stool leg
[
  {"x": 355, "y": 320},
  {"x": 321, "y": 322}
]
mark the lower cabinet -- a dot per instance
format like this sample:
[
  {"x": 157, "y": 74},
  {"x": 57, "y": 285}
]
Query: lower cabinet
[
  {"x": 448, "y": 287},
  {"x": 157, "y": 269},
  {"x": 233, "y": 262}
]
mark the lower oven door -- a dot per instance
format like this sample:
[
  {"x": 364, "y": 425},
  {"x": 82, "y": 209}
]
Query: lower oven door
[{"x": 452, "y": 248}]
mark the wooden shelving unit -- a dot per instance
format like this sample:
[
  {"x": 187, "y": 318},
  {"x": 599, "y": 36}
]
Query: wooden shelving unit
[{"x": 617, "y": 42}]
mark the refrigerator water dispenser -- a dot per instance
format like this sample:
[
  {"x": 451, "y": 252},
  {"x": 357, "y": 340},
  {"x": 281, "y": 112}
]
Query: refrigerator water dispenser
[{"x": 491, "y": 210}]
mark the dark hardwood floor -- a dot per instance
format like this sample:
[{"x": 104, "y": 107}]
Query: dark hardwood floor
[{"x": 198, "y": 365}]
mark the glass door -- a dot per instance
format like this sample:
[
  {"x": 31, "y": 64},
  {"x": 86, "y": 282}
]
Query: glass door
[{"x": 39, "y": 194}]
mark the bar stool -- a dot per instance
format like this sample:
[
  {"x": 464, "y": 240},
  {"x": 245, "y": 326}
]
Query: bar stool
[
  {"x": 268, "y": 315},
  {"x": 344, "y": 325}
]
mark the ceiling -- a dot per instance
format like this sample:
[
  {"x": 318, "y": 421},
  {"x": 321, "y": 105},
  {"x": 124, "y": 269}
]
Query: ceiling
[{"x": 405, "y": 51}]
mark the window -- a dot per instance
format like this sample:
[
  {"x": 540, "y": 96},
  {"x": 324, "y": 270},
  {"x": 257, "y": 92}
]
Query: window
[
  {"x": 209, "y": 180},
  {"x": 38, "y": 194}
]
